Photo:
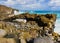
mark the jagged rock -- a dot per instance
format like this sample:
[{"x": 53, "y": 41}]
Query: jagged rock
[
  {"x": 34, "y": 22},
  {"x": 6, "y": 28},
  {"x": 6, "y": 12},
  {"x": 26, "y": 26},
  {"x": 56, "y": 37}
]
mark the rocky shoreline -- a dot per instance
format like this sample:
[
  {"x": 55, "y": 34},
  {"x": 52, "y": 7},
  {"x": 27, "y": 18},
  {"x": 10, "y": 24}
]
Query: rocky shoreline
[{"x": 27, "y": 28}]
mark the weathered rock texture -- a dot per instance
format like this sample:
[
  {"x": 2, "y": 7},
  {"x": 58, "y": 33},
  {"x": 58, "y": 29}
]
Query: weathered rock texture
[
  {"x": 7, "y": 40},
  {"x": 26, "y": 27},
  {"x": 6, "y": 11}
]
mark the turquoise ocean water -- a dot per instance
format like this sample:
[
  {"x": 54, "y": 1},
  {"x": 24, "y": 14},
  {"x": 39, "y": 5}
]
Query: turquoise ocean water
[{"x": 57, "y": 23}]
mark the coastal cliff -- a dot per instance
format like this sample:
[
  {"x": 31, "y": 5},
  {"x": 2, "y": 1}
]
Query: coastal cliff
[{"x": 26, "y": 27}]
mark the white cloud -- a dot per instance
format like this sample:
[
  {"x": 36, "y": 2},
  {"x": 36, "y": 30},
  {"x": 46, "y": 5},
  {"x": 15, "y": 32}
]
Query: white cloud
[
  {"x": 41, "y": 0},
  {"x": 54, "y": 3},
  {"x": 36, "y": 6},
  {"x": 26, "y": 4},
  {"x": 26, "y": 1},
  {"x": 9, "y": 2},
  {"x": 23, "y": 2},
  {"x": 29, "y": 1},
  {"x": 31, "y": 4}
]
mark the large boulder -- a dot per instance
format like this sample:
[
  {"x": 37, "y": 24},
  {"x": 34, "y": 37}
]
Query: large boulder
[
  {"x": 6, "y": 12},
  {"x": 43, "y": 24},
  {"x": 6, "y": 29}
]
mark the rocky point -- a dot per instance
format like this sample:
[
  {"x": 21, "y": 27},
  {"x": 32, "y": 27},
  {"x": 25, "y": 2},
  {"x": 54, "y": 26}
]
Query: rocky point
[{"x": 26, "y": 27}]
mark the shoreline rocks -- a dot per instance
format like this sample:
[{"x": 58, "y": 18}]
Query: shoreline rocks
[{"x": 25, "y": 27}]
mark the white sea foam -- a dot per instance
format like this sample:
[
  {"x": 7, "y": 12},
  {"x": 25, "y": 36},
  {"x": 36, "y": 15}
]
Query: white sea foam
[
  {"x": 17, "y": 13},
  {"x": 57, "y": 26}
]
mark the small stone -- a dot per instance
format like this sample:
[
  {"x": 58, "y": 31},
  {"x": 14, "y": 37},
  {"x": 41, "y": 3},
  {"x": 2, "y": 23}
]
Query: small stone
[{"x": 2, "y": 33}]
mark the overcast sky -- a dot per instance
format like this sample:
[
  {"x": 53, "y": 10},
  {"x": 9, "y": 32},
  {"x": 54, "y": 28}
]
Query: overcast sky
[{"x": 33, "y": 4}]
